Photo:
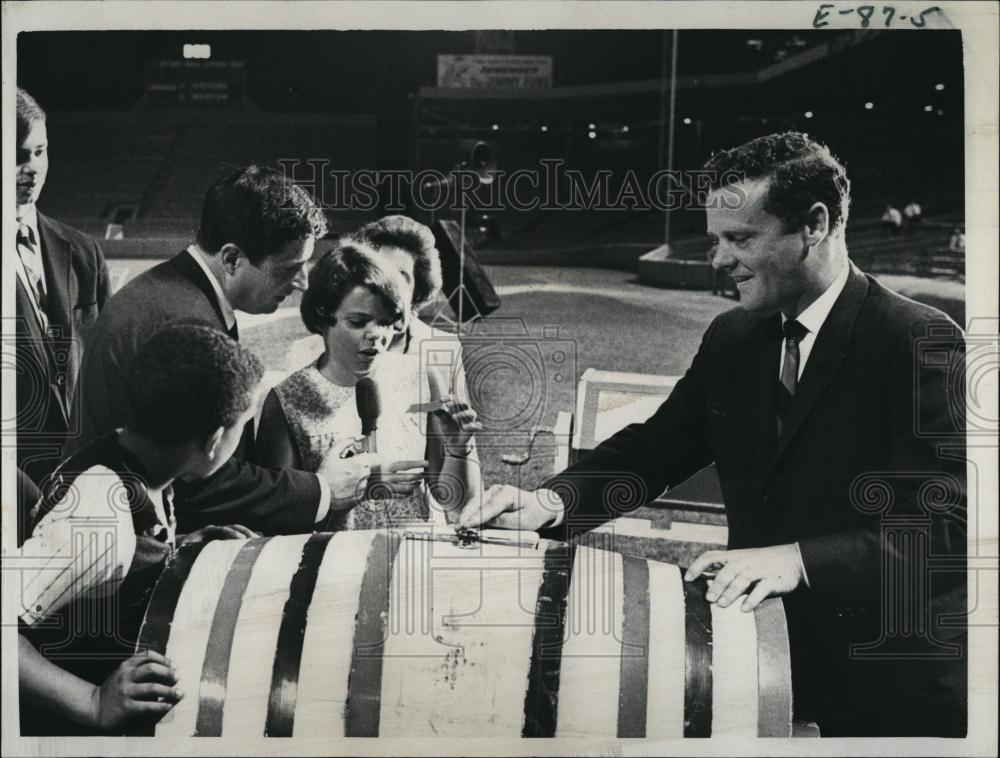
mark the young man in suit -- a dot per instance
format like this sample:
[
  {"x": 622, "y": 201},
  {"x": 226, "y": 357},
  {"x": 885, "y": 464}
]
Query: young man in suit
[
  {"x": 105, "y": 527},
  {"x": 252, "y": 250},
  {"x": 62, "y": 283},
  {"x": 836, "y": 445}
]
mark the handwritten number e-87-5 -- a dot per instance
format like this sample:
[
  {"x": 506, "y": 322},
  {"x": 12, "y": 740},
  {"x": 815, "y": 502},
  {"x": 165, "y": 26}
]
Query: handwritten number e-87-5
[{"x": 866, "y": 12}]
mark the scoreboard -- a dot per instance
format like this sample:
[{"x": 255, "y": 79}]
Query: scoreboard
[{"x": 196, "y": 83}]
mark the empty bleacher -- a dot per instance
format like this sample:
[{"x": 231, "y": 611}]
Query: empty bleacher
[{"x": 148, "y": 169}]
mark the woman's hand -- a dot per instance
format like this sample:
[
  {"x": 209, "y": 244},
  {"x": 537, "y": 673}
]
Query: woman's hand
[
  {"x": 211, "y": 532},
  {"x": 456, "y": 422},
  {"x": 141, "y": 687}
]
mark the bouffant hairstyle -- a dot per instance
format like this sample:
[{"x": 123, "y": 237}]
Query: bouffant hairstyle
[{"x": 417, "y": 240}]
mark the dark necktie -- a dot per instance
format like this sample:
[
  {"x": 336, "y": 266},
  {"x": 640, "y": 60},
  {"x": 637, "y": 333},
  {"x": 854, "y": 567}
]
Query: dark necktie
[
  {"x": 27, "y": 250},
  {"x": 794, "y": 332},
  {"x": 234, "y": 331}
]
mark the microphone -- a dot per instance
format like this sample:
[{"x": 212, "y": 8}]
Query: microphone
[{"x": 369, "y": 409}]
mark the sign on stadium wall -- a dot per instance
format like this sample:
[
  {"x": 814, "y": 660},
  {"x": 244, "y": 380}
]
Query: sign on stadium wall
[{"x": 495, "y": 71}]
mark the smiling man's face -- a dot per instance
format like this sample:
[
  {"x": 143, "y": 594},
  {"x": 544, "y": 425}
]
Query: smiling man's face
[{"x": 766, "y": 260}]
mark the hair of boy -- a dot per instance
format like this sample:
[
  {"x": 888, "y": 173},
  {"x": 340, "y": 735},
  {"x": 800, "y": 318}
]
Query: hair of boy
[
  {"x": 187, "y": 381},
  {"x": 29, "y": 113}
]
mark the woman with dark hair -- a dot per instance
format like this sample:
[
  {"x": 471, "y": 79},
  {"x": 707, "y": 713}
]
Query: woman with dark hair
[
  {"x": 409, "y": 246},
  {"x": 358, "y": 303}
]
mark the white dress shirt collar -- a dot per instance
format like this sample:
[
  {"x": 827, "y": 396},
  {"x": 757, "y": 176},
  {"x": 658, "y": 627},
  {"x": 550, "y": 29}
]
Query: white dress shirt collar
[
  {"x": 220, "y": 296},
  {"x": 27, "y": 215},
  {"x": 814, "y": 316}
]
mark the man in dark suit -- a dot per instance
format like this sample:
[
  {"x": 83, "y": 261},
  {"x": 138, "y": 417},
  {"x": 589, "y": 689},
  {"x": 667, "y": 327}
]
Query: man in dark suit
[
  {"x": 839, "y": 443},
  {"x": 62, "y": 282},
  {"x": 256, "y": 238}
]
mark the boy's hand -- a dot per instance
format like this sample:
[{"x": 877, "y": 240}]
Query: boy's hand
[
  {"x": 141, "y": 687},
  {"x": 206, "y": 533}
]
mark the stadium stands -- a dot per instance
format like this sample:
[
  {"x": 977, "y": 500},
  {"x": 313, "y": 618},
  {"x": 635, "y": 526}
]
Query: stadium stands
[{"x": 148, "y": 168}]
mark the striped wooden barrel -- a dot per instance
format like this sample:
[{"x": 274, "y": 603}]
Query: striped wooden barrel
[{"x": 374, "y": 634}]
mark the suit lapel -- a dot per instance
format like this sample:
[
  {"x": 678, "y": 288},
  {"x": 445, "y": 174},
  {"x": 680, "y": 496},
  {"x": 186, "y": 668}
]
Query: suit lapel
[
  {"x": 60, "y": 285},
  {"x": 31, "y": 338},
  {"x": 824, "y": 360},
  {"x": 190, "y": 270},
  {"x": 57, "y": 259}
]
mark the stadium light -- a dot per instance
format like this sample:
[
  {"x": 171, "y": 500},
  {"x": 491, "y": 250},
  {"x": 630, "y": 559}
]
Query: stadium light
[
  {"x": 197, "y": 51},
  {"x": 939, "y": 87},
  {"x": 592, "y": 134},
  {"x": 928, "y": 108},
  {"x": 544, "y": 128},
  {"x": 625, "y": 128},
  {"x": 940, "y": 111},
  {"x": 808, "y": 114},
  {"x": 495, "y": 127},
  {"x": 591, "y": 126},
  {"x": 869, "y": 105},
  {"x": 687, "y": 121}
]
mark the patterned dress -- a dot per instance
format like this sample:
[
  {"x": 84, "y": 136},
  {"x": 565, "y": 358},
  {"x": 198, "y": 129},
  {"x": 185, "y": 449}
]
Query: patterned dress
[{"x": 321, "y": 413}]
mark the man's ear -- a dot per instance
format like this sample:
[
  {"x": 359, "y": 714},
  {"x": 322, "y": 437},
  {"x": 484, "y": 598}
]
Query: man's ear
[
  {"x": 212, "y": 442},
  {"x": 817, "y": 226},
  {"x": 232, "y": 257}
]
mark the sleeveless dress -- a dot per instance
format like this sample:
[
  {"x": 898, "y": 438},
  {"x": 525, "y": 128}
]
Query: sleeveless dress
[{"x": 321, "y": 413}]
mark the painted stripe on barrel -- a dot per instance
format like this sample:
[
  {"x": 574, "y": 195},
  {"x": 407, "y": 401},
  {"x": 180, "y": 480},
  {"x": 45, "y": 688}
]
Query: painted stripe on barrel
[
  {"x": 734, "y": 671},
  {"x": 457, "y": 658},
  {"x": 329, "y": 639},
  {"x": 155, "y": 629},
  {"x": 219, "y": 644},
  {"x": 256, "y": 636},
  {"x": 634, "y": 681},
  {"x": 364, "y": 702},
  {"x": 697, "y": 661},
  {"x": 288, "y": 652},
  {"x": 774, "y": 674},
  {"x": 190, "y": 634},
  {"x": 541, "y": 701},
  {"x": 665, "y": 703},
  {"x": 591, "y": 650}
]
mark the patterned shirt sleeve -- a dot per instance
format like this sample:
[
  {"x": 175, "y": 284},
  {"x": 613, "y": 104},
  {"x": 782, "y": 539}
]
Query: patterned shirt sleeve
[{"x": 82, "y": 547}]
